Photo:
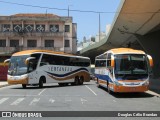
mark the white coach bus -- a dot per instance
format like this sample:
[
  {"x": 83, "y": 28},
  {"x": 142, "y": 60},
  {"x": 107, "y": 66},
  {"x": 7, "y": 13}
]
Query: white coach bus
[
  {"x": 123, "y": 70},
  {"x": 35, "y": 67}
]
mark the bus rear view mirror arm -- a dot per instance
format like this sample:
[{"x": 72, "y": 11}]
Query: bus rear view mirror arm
[
  {"x": 150, "y": 60},
  {"x": 112, "y": 61},
  {"x": 28, "y": 59},
  {"x": 6, "y": 61}
]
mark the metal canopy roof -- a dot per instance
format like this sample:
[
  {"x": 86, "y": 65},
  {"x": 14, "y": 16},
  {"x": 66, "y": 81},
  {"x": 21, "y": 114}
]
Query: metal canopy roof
[{"x": 133, "y": 17}]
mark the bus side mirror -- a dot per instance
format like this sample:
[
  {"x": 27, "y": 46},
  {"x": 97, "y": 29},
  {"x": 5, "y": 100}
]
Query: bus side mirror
[
  {"x": 112, "y": 61},
  {"x": 6, "y": 61},
  {"x": 28, "y": 59},
  {"x": 150, "y": 60}
]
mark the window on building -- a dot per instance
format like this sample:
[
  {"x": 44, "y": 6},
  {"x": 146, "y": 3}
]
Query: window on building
[
  {"x": 31, "y": 43},
  {"x": 49, "y": 43},
  {"x": 28, "y": 28},
  {"x": 54, "y": 28},
  {"x": 67, "y": 28},
  {"x": 40, "y": 28},
  {"x": 66, "y": 43},
  {"x": 14, "y": 43},
  {"x": 2, "y": 43},
  {"x": 17, "y": 27},
  {"x": 6, "y": 27}
]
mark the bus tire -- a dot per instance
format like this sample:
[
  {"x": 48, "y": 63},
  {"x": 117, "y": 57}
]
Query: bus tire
[
  {"x": 66, "y": 84},
  {"x": 76, "y": 81},
  {"x": 72, "y": 83},
  {"x": 108, "y": 89},
  {"x": 97, "y": 81},
  {"x": 81, "y": 80},
  {"x": 41, "y": 83},
  {"x": 61, "y": 84},
  {"x": 24, "y": 85},
  {"x": 98, "y": 85}
]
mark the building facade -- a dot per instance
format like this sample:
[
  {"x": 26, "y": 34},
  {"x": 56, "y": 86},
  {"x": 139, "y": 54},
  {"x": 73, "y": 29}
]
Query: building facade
[{"x": 37, "y": 31}]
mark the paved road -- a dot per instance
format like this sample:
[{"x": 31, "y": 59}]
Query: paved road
[{"x": 86, "y": 97}]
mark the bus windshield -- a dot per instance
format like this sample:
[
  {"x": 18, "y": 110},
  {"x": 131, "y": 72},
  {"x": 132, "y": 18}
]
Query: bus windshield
[
  {"x": 17, "y": 65},
  {"x": 131, "y": 65}
]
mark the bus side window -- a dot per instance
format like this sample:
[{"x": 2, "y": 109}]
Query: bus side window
[
  {"x": 109, "y": 62},
  {"x": 96, "y": 63},
  {"x": 45, "y": 60}
]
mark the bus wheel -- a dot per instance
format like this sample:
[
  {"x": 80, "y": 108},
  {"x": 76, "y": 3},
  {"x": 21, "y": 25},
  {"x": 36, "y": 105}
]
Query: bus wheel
[
  {"x": 97, "y": 81},
  {"x": 81, "y": 80},
  {"x": 72, "y": 83},
  {"x": 98, "y": 85},
  {"x": 108, "y": 89},
  {"x": 41, "y": 83},
  {"x": 24, "y": 85},
  {"x": 60, "y": 84},
  {"x": 76, "y": 82},
  {"x": 65, "y": 84}
]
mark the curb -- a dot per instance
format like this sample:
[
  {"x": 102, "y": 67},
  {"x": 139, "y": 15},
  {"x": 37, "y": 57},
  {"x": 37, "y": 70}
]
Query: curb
[
  {"x": 4, "y": 85},
  {"x": 153, "y": 93}
]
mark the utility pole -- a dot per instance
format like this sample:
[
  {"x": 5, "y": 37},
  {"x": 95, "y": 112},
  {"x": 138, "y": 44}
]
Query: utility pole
[
  {"x": 99, "y": 26},
  {"x": 68, "y": 10}
]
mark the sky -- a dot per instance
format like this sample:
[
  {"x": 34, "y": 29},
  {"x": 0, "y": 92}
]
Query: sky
[{"x": 87, "y": 22}]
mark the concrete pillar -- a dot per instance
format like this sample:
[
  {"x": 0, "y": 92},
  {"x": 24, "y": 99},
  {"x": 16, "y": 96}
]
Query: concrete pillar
[
  {"x": 34, "y": 29},
  {"x": 150, "y": 43},
  {"x": 22, "y": 25},
  {"x": 7, "y": 42},
  {"x": 11, "y": 23},
  {"x": 1, "y": 27}
]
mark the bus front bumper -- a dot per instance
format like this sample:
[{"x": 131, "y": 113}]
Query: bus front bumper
[
  {"x": 17, "y": 80},
  {"x": 131, "y": 88}
]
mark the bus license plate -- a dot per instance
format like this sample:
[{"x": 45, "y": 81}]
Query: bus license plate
[{"x": 133, "y": 89}]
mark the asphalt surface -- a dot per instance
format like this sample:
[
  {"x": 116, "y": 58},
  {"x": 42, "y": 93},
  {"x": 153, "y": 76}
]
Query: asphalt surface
[{"x": 87, "y": 97}]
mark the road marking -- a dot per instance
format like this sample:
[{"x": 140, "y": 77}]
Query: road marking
[
  {"x": 51, "y": 100},
  {"x": 34, "y": 101},
  {"x": 3, "y": 100},
  {"x": 41, "y": 91},
  {"x": 83, "y": 100},
  {"x": 17, "y": 101},
  {"x": 153, "y": 93},
  {"x": 91, "y": 90}
]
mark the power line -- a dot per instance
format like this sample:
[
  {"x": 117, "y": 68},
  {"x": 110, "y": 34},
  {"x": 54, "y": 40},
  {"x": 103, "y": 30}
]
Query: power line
[
  {"x": 43, "y": 7},
  {"x": 63, "y": 9}
]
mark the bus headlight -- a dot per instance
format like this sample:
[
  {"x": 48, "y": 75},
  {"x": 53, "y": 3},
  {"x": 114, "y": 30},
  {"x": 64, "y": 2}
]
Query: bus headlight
[
  {"x": 24, "y": 76},
  {"x": 117, "y": 83}
]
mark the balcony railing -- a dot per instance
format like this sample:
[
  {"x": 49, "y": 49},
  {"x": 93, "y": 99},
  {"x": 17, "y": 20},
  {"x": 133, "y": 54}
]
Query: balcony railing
[
  {"x": 33, "y": 33},
  {"x": 10, "y": 50}
]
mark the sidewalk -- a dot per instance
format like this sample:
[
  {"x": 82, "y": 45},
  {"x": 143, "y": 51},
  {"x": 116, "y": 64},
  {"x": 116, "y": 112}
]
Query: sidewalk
[
  {"x": 3, "y": 83},
  {"x": 155, "y": 85}
]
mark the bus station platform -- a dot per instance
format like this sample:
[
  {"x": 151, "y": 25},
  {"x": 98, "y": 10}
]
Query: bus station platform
[{"x": 3, "y": 84}]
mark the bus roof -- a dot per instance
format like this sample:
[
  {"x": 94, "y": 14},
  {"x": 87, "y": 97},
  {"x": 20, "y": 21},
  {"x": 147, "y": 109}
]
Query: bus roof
[
  {"x": 28, "y": 52},
  {"x": 125, "y": 51}
]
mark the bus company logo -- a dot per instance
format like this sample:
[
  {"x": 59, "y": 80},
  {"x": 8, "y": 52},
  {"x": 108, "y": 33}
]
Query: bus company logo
[
  {"x": 58, "y": 69},
  {"x": 132, "y": 83}
]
